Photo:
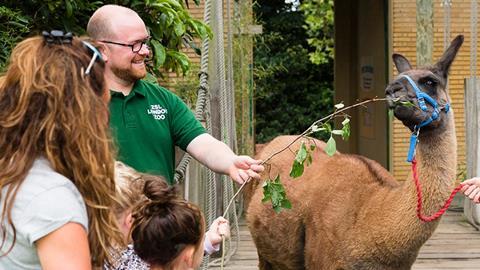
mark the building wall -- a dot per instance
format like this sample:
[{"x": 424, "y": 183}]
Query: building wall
[
  {"x": 360, "y": 74},
  {"x": 403, "y": 33}
]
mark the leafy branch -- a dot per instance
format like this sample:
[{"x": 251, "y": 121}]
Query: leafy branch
[{"x": 273, "y": 190}]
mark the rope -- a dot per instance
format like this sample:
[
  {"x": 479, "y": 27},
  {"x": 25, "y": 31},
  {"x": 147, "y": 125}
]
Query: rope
[
  {"x": 227, "y": 116},
  {"x": 227, "y": 123},
  {"x": 442, "y": 210},
  {"x": 202, "y": 94}
]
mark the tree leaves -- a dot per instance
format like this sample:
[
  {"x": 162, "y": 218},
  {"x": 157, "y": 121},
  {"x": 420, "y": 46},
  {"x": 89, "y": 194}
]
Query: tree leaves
[
  {"x": 331, "y": 147},
  {"x": 158, "y": 52},
  {"x": 274, "y": 192},
  {"x": 168, "y": 21},
  {"x": 301, "y": 156}
]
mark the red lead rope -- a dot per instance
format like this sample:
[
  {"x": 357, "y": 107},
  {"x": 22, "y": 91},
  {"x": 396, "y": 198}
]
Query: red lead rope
[{"x": 440, "y": 212}]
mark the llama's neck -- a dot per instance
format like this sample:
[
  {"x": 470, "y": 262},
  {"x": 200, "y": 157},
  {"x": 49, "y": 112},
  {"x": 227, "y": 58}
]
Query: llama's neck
[{"x": 437, "y": 159}]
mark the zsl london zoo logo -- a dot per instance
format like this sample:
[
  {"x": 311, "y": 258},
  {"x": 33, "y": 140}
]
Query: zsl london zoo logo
[{"x": 157, "y": 111}]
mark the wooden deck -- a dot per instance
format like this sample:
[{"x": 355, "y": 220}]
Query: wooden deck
[{"x": 454, "y": 245}]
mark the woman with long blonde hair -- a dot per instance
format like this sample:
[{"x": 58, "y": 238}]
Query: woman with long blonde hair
[{"x": 57, "y": 168}]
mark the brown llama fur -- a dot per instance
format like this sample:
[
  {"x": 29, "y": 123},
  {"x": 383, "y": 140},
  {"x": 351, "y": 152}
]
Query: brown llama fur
[{"x": 348, "y": 211}]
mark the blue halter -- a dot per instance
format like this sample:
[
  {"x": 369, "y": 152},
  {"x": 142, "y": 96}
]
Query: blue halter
[{"x": 422, "y": 97}]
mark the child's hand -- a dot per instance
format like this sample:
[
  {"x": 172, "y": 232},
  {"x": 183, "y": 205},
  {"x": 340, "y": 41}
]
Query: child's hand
[
  {"x": 218, "y": 228},
  {"x": 471, "y": 189}
]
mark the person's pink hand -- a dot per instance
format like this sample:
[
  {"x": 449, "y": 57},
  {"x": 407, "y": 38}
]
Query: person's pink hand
[
  {"x": 220, "y": 227},
  {"x": 471, "y": 189}
]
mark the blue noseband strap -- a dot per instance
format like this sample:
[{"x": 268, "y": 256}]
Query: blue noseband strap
[{"x": 422, "y": 97}]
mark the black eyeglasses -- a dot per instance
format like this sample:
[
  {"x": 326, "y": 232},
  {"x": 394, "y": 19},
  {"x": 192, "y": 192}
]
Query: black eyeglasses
[{"x": 136, "y": 47}]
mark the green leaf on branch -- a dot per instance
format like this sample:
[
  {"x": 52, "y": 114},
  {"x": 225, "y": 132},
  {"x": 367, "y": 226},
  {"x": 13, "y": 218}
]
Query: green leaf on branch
[
  {"x": 405, "y": 103},
  {"x": 309, "y": 159},
  {"x": 331, "y": 147},
  {"x": 159, "y": 52},
  {"x": 297, "y": 169},
  {"x": 300, "y": 157},
  {"x": 327, "y": 127},
  {"x": 301, "y": 153},
  {"x": 274, "y": 191},
  {"x": 346, "y": 129}
]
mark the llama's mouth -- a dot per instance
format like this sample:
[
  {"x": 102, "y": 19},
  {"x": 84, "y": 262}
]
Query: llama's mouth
[{"x": 394, "y": 101}]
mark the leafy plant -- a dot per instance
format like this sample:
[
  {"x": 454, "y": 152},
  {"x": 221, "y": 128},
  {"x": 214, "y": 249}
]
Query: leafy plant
[
  {"x": 274, "y": 192},
  {"x": 291, "y": 91},
  {"x": 171, "y": 26},
  {"x": 319, "y": 26},
  {"x": 11, "y": 31}
]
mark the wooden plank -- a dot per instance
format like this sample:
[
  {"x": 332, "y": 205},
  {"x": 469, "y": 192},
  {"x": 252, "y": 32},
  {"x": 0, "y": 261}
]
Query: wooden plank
[{"x": 424, "y": 32}]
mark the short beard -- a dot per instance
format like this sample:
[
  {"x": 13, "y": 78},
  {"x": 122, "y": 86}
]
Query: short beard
[{"x": 127, "y": 75}]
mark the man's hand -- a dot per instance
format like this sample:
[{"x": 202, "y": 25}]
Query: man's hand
[
  {"x": 219, "y": 158},
  {"x": 471, "y": 189},
  {"x": 245, "y": 167}
]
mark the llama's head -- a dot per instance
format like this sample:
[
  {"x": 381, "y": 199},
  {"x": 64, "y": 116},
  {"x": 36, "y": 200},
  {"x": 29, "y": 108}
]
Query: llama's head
[{"x": 432, "y": 81}]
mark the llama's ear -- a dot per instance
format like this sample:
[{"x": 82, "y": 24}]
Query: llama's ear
[
  {"x": 401, "y": 62},
  {"x": 443, "y": 65}
]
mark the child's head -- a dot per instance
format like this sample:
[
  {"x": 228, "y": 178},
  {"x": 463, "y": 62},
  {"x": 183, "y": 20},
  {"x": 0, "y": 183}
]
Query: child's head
[
  {"x": 129, "y": 191},
  {"x": 167, "y": 231}
]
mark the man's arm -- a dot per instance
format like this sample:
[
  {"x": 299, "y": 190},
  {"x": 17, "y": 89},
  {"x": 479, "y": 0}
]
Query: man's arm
[{"x": 218, "y": 157}]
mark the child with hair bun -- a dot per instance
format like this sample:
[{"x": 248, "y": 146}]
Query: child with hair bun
[{"x": 167, "y": 231}]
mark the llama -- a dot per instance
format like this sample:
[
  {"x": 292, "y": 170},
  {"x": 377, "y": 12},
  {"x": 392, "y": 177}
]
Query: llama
[{"x": 348, "y": 211}]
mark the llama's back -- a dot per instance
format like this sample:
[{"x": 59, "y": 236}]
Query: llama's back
[{"x": 326, "y": 198}]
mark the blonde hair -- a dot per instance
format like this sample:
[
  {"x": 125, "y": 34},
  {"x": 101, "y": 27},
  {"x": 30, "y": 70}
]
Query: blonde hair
[
  {"x": 128, "y": 184},
  {"x": 50, "y": 108}
]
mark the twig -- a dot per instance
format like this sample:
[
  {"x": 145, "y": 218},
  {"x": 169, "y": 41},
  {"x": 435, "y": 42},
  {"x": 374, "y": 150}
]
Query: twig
[{"x": 309, "y": 129}]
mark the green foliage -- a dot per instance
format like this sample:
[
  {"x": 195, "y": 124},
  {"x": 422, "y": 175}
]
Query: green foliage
[
  {"x": 171, "y": 27},
  {"x": 319, "y": 26},
  {"x": 291, "y": 91},
  {"x": 12, "y": 28},
  {"x": 168, "y": 22},
  {"x": 303, "y": 154},
  {"x": 274, "y": 192}
]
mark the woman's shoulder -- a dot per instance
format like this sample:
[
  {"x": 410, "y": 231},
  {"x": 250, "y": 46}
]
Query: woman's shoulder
[{"x": 43, "y": 178}]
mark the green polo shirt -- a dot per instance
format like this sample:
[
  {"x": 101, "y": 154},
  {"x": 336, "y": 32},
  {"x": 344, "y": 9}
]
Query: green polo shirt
[{"x": 146, "y": 126}]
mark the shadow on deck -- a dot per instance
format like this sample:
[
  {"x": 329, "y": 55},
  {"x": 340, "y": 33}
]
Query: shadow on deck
[{"x": 454, "y": 245}]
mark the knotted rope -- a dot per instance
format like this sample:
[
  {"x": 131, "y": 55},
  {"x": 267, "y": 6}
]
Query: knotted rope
[{"x": 442, "y": 210}]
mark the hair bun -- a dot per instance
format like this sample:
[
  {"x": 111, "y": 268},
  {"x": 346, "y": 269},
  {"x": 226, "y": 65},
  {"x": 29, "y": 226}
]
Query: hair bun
[{"x": 159, "y": 191}]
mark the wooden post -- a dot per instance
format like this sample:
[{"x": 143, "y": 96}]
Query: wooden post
[
  {"x": 472, "y": 122},
  {"x": 424, "y": 32}
]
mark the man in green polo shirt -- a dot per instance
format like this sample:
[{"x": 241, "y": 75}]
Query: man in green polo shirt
[{"x": 148, "y": 120}]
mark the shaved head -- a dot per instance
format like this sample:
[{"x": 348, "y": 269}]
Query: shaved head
[{"x": 103, "y": 21}]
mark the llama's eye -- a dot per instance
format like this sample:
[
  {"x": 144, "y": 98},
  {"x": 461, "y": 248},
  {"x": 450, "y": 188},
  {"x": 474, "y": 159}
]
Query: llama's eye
[{"x": 429, "y": 83}]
